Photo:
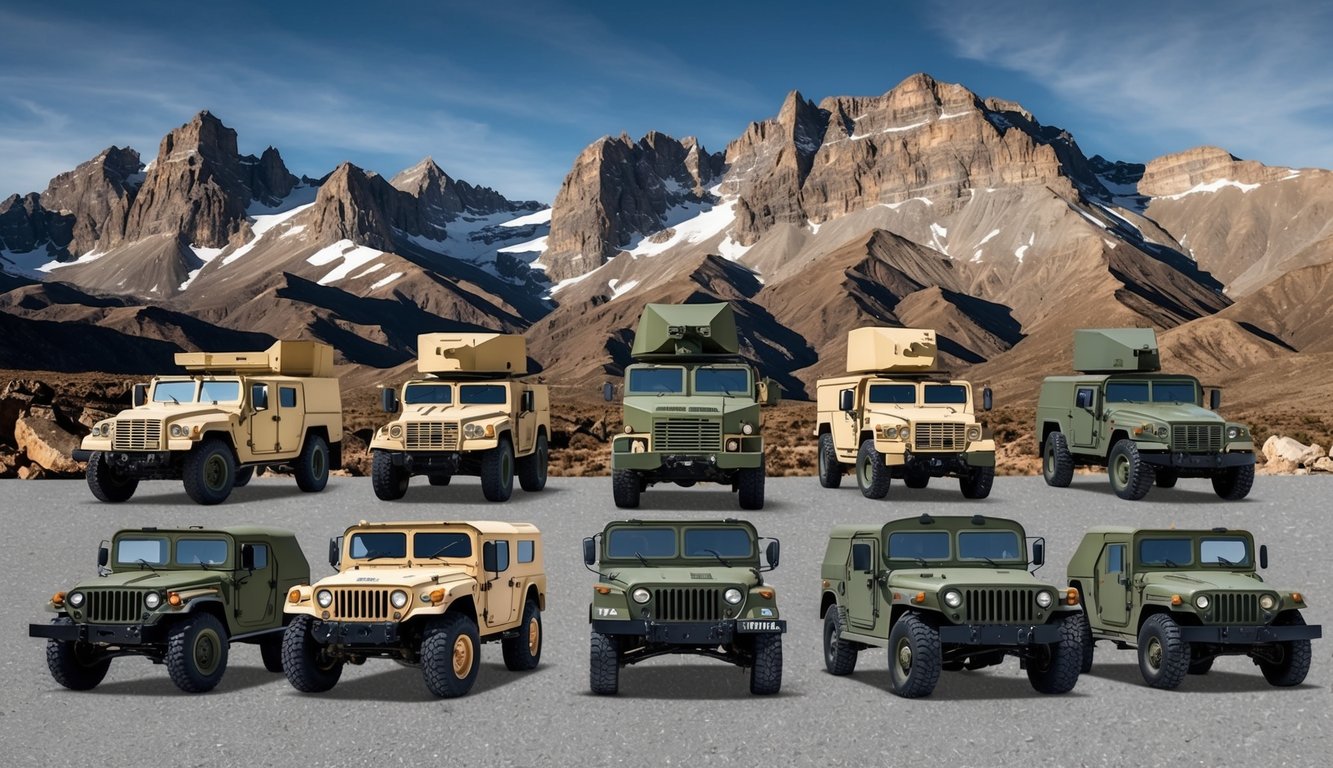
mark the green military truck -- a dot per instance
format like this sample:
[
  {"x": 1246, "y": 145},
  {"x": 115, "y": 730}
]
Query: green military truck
[
  {"x": 946, "y": 593},
  {"x": 1144, "y": 426},
  {"x": 1185, "y": 597},
  {"x": 691, "y": 407},
  {"x": 897, "y": 416},
  {"x": 683, "y": 587},
  {"x": 178, "y": 596}
]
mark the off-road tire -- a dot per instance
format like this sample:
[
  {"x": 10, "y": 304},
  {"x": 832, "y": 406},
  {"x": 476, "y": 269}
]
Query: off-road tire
[
  {"x": 1088, "y": 643},
  {"x": 1201, "y": 666},
  {"x": 270, "y": 650},
  {"x": 1131, "y": 477},
  {"x": 766, "y": 674},
  {"x": 839, "y": 655},
  {"x": 451, "y": 656},
  {"x": 390, "y": 482},
  {"x": 1234, "y": 483},
  {"x": 303, "y": 659},
  {"x": 243, "y": 477},
  {"x": 604, "y": 664},
  {"x": 872, "y": 474},
  {"x": 312, "y": 465},
  {"x": 497, "y": 471},
  {"x": 1166, "y": 478},
  {"x": 197, "y": 653},
  {"x": 1057, "y": 463},
  {"x": 913, "y": 674},
  {"x": 978, "y": 481},
  {"x": 1060, "y": 670},
  {"x": 76, "y": 665},
  {"x": 915, "y": 478},
  {"x": 209, "y": 473},
  {"x": 626, "y": 487},
  {"x": 1295, "y": 663},
  {"x": 830, "y": 469},
  {"x": 106, "y": 483},
  {"x": 524, "y": 651},
  {"x": 1164, "y": 658},
  {"x": 439, "y": 479},
  {"x": 532, "y": 468},
  {"x": 750, "y": 487}
]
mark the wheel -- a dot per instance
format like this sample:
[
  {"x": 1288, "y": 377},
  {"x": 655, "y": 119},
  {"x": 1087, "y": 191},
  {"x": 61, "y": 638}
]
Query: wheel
[
  {"x": 1166, "y": 478},
  {"x": 532, "y": 468},
  {"x": 750, "y": 487},
  {"x": 497, "y": 471},
  {"x": 604, "y": 664},
  {"x": 914, "y": 657},
  {"x": 1058, "y": 671},
  {"x": 197, "y": 653},
  {"x": 915, "y": 477},
  {"x": 830, "y": 469},
  {"x": 270, "y": 650},
  {"x": 106, "y": 483},
  {"x": 312, "y": 466},
  {"x": 766, "y": 674},
  {"x": 76, "y": 665},
  {"x": 872, "y": 475},
  {"x": 976, "y": 484},
  {"x": 1201, "y": 666},
  {"x": 1291, "y": 669},
  {"x": 1131, "y": 476},
  {"x": 440, "y": 479},
  {"x": 524, "y": 651},
  {"x": 1085, "y": 632},
  {"x": 1234, "y": 483},
  {"x": 626, "y": 487},
  {"x": 839, "y": 655},
  {"x": 243, "y": 477},
  {"x": 1163, "y": 657},
  {"x": 209, "y": 472},
  {"x": 309, "y": 667},
  {"x": 1057, "y": 463},
  {"x": 389, "y": 481},
  {"x": 450, "y": 657}
]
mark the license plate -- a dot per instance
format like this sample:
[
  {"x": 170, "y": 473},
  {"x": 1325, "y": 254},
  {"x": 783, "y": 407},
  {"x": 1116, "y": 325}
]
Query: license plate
[{"x": 750, "y": 625}]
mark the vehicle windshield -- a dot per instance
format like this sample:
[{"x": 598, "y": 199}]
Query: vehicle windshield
[
  {"x": 1167, "y": 391},
  {"x": 641, "y": 542},
  {"x": 734, "y": 381},
  {"x": 990, "y": 545},
  {"x": 153, "y": 551},
  {"x": 370, "y": 545},
  {"x": 944, "y": 394},
  {"x": 443, "y": 544},
  {"x": 919, "y": 545},
  {"x": 1174, "y": 391},
  {"x": 219, "y": 391},
  {"x": 1172, "y": 553},
  {"x": 428, "y": 394},
  {"x": 718, "y": 542},
  {"x": 652, "y": 381},
  {"x": 1224, "y": 551},
  {"x": 895, "y": 394},
  {"x": 482, "y": 394},
  {"x": 206, "y": 551},
  {"x": 174, "y": 391}
]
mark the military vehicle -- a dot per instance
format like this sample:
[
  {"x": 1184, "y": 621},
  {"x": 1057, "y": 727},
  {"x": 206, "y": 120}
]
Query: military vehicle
[
  {"x": 1122, "y": 413},
  {"x": 468, "y": 415},
  {"x": 896, "y": 416},
  {"x": 946, "y": 593},
  {"x": 683, "y": 587},
  {"x": 211, "y": 428},
  {"x": 1185, "y": 597},
  {"x": 691, "y": 407},
  {"x": 178, "y": 596},
  {"x": 423, "y": 594}
]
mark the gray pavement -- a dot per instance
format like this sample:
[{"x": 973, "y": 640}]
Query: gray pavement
[{"x": 671, "y": 711}]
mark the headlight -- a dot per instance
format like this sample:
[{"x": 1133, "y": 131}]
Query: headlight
[
  {"x": 75, "y": 599},
  {"x": 152, "y": 600},
  {"x": 398, "y": 598},
  {"x": 973, "y": 433},
  {"x": 732, "y": 596},
  {"x": 473, "y": 431},
  {"x": 1267, "y": 602},
  {"x": 1201, "y": 602},
  {"x": 1044, "y": 599},
  {"x": 891, "y": 433},
  {"x": 953, "y": 598},
  {"x": 733, "y": 445},
  {"x": 396, "y": 431},
  {"x": 747, "y": 429},
  {"x": 103, "y": 429},
  {"x": 324, "y": 598},
  {"x": 179, "y": 431},
  {"x": 1161, "y": 431},
  {"x": 1233, "y": 433},
  {"x": 640, "y": 595},
  {"x": 904, "y": 432},
  {"x": 629, "y": 430}
]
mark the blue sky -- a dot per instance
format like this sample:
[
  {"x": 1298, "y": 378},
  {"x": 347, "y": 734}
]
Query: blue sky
[{"x": 505, "y": 93}]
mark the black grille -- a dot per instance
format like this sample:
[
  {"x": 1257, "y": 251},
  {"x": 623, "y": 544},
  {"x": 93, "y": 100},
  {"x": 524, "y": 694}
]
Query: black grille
[
  {"x": 688, "y": 604},
  {"x": 431, "y": 436},
  {"x": 1196, "y": 437},
  {"x": 687, "y": 435},
  {"x": 1000, "y": 606},
  {"x": 940, "y": 437},
  {"x": 361, "y": 604},
  {"x": 1234, "y": 608},
  {"x": 114, "y": 606},
  {"x": 136, "y": 435}
]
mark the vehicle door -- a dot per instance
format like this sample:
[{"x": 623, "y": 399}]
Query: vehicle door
[
  {"x": 264, "y": 417},
  {"x": 524, "y": 401},
  {"x": 1083, "y": 418},
  {"x": 846, "y": 424},
  {"x": 1113, "y": 584},
  {"x": 501, "y": 593},
  {"x": 862, "y": 582},
  {"x": 256, "y": 593}
]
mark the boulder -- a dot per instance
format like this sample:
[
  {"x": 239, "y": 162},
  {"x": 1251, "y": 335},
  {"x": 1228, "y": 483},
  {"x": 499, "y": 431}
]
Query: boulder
[
  {"x": 31, "y": 472},
  {"x": 90, "y": 416},
  {"x": 47, "y": 444},
  {"x": 1312, "y": 454},
  {"x": 1323, "y": 464},
  {"x": 32, "y": 390},
  {"x": 9, "y": 462},
  {"x": 1286, "y": 448},
  {"x": 1280, "y": 466}
]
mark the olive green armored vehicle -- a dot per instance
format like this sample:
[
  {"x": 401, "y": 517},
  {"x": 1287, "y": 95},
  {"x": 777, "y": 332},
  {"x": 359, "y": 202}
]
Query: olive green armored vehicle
[
  {"x": 469, "y": 414},
  {"x": 683, "y": 587},
  {"x": 212, "y": 427},
  {"x": 178, "y": 596},
  {"x": 946, "y": 593},
  {"x": 896, "y": 416},
  {"x": 1144, "y": 426},
  {"x": 1185, "y": 597},
  {"x": 691, "y": 407}
]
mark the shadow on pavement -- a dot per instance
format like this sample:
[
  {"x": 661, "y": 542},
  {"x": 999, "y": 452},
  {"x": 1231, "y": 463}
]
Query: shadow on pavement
[
  {"x": 1213, "y": 682},
  {"x": 691, "y": 682},
  {"x": 404, "y": 684},
  {"x": 236, "y": 679},
  {"x": 966, "y": 685},
  {"x": 464, "y": 495},
  {"x": 1201, "y": 492}
]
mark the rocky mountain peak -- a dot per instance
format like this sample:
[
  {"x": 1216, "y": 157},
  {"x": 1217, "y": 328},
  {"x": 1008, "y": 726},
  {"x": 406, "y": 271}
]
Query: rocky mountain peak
[
  {"x": 101, "y": 191},
  {"x": 355, "y": 205},
  {"x": 1180, "y": 172}
]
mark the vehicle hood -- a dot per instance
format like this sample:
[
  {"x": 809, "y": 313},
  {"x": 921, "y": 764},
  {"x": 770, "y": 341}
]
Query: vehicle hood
[
  {"x": 1200, "y": 581},
  {"x": 173, "y": 412},
  {"x": 1167, "y": 412},
  {"x": 389, "y": 576},
  {"x": 883, "y": 413},
  {"x": 433, "y": 412},
  {"x": 701, "y": 576},
  {"x": 694, "y": 406},
  {"x": 929, "y": 579},
  {"x": 163, "y": 579}
]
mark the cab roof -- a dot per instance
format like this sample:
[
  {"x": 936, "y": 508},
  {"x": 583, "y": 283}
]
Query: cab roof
[
  {"x": 926, "y": 522},
  {"x": 239, "y": 531},
  {"x": 481, "y": 526}
]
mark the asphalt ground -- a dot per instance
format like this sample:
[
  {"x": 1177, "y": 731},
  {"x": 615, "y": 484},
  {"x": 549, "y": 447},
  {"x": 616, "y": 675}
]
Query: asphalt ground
[{"x": 674, "y": 710}]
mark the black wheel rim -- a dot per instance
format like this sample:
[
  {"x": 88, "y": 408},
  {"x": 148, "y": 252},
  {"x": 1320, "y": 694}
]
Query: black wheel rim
[
  {"x": 317, "y": 463},
  {"x": 215, "y": 472},
  {"x": 207, "y": 652}
]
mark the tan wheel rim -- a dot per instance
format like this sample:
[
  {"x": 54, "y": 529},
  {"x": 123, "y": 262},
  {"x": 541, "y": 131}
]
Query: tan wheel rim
[
  {"x": 1154, "y": 654},
  {"x": 904, "y": 657},
  {"x": 462, "y": 656},
  {"x": 534, "y": 637}
]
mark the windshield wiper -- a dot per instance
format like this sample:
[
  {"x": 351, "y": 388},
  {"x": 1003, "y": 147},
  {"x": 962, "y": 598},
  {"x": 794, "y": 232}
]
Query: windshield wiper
[
  {"x": 643, "y": 559},
  {"x": 714, "y": 553},
  {"x": 145, "y": 564},
  {"x": 989, "y": 561},
  {"x": 378, "y": 555},
  {"x": 173, "y": 399},
  {"x": 1223, "y": 561},
  {"x": 1169, "y": 563},
  {"x": 443, "y": 549}
]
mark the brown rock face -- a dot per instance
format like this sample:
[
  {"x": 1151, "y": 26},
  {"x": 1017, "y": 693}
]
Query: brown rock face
[
  {"x": 441, "y": 198},
  {"x": 47, "y": 444},
  {"x": 362, "y": 207},
  {"x": 25, "y": 225},
  {"x": 1182, "y": 171},
  {"x": 97, "y": 196}
]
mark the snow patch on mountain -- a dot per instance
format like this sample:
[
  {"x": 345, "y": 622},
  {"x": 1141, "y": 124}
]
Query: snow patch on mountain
[
  {"x": 204, "y": 255},
  {"x": 352, "y": 256},
  {"x": 1212, "y": 186}
]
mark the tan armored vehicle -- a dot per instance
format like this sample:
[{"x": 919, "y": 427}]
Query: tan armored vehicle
[
  {"x": 424, "y": 594},
  {"x": 468, "y": 414},
  {"x": 896, "y": 415},
  {"x": 228, "y": 414}
]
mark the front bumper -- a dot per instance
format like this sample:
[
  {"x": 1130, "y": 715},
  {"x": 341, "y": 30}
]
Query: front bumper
[
  {"x": 1198, "y": 461},
  {"x": 941, "y": 464},
  {"x": 999, "y": 634},
  {"x": 426, "y": 462},
  {"x": 1233, "y": 635},
  {"x": 690, "y": 632},
  {"x": 701, "y": 466},
  {"x": 355, "y": 633},
  {"x": 101, "y": 634}
]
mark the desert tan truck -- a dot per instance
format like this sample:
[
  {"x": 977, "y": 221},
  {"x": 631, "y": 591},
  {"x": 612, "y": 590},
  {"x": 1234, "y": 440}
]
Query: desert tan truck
[
  {"x": 228, "y": 414},
  {"x": 468, "y": 414},
  {"x": 896, "y": 415},
  {"x": 425, "y": 594}
]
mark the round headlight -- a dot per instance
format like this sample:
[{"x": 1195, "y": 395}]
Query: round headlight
[
  {"x": 473, "y": 431},
  {"x": 1044, "y": 599},
  {"x": 1201, "y": 602},
  {"x": 178, "y": 431},
  {"x": 324, "y": 598},
  {"x": 1267, "y": 602},
  {"x": 1161, "y": 431},
  {"x": 75, "y": 599},
  {"x": 953, "y": 598},
  {"x": 104, "y": 428},
  {"x": 904, "y": 432},
  {"x": 396, "y": 431},
  {"x": 640, "y": 595},
  {"x": 732, "y": 596},
  {"x": 891, "y": 433},
  {"x": 973, "y": 433},
  {"x": 629, "y": 430},
  {"x": 152, "y": 600},
  {"x": 747, "y": 429},
  {"x": 733, "y": 445},
  {"x": 1233, "y": 433},
  {"x": 398, "y": 598}
]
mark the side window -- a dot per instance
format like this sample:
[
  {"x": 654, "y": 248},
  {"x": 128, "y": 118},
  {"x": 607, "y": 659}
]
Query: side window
[
  {"x": 501, "y": 555},
  {"x": 1115, "y": 558},
  {"x": 861, "y": 560},
  {"x": 1084, "y": 397},
  {"x": 527, "y": 550},
  {"x": 287, "y": 397},
  {"x": 259, "y": 396},
  {"x": 261, "y": 556}
]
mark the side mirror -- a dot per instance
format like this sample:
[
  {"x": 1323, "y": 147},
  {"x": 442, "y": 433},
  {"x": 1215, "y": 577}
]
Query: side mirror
[
  {"x": 335, "y": 551},
  {"x": 1214, "y": 399},
  {"x": 987, "y": 399},
  {"x": 528, "y": 401},
  {"x": 103, "y": 557},
  {"x": 846, "y": 400},
  {"x": 1039, "y": 553},
  {"x": 1263, "y": 556},
  {"x": 774, "y": 549},
  {"x": 769, "y": 392},
  {"x": 589, "y": 551},
  {"x": 139, "y": 395},
  {"x": 389, "y": 400},
  {"x": 608, "y": 391},
  {"x": 247, "y": 557}
]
